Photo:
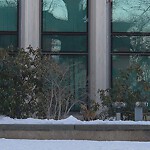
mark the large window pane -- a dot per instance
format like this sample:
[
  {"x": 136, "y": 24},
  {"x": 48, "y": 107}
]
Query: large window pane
[
  {"x": 60, "y": 43},
  {"x": 76, "y": 72},
  {"x": 120, "y": 62},
  {"x": 136, "y": 78},
  {"x": 131, "y": 44},
  {"x": 7, "y": 41},
  {"x": 8, "y": 15},
  {"x": 65, "y": 15},
  {"x": 131, "y": 15}
]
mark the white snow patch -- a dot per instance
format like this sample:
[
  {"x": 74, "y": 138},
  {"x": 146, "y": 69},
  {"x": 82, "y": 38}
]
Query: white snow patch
[
  {"x": 69, "y": 120},
  {"x": 10, "y": 144}
]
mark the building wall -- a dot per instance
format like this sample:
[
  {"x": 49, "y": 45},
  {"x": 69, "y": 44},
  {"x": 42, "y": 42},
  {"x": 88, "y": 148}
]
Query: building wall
[
  {"x": 99, "y": 44},
  {"x": 30, "y": 23}
]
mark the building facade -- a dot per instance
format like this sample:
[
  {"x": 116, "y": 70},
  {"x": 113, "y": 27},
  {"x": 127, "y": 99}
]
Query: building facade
[{"x": 98, "y": 37}]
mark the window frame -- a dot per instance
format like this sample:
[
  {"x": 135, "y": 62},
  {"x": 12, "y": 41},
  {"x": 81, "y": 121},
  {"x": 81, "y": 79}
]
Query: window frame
[
  {"x": 64, "y": 33},
  {"x": 15, "y": 33},
  {"x": 68, "y": 53},
  {"x": 124, "y": 53}
]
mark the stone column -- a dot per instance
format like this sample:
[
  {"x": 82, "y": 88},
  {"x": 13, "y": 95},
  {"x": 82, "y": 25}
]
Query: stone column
[
  {"x": 29, "y": 23},
  {"x": 99, "y": 37}
]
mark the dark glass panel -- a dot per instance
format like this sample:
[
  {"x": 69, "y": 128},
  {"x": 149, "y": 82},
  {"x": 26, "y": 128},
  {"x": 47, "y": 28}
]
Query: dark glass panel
[
  {"x": 60, "y": 43},
  {"x": 120, "y": 62},
  {"x": 131, "y": 16},
  {"x": 131, "y": 44},
  {"x": 65, "y": 15},
  {"x": 8, "y": 41},
  {"x": 76, "y": 73},
  {"x": 8, "y": 15}
]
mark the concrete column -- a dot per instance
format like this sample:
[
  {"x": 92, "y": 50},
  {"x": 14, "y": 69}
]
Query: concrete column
[
  {"x": 99, "y": 22},
  {"x": 29, "y": 23}
]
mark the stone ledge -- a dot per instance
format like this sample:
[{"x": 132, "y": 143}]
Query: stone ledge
[
  {"x": 57, "y": 127},
  {"x": 34, "y": 127},
  {"x": 112, "y": 127},
  {"x": 76, "y": 132}
]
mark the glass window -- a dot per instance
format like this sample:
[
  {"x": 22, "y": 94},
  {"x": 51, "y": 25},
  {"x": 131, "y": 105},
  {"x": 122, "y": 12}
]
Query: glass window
[
  {"x": 137, "y": 78},
  {"x": 131, "y": 43},
  {"x": 131, "y": 15},
  {"x": 8, "y": 41},
  {"x": 64, "y": 30},
  {"x": 65, "y": 15},
  {"x": 59, "y": 43},
  {"x": 76, "y": 72},
  {"x": 120, "y": 62},
  {"x": 8, "y": 15}
]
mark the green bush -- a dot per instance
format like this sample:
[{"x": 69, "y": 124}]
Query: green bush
[
  {"x": 17, "y": 83},
  {"x": 128, "y": 87},
  {"x": 33, "y": 84}
]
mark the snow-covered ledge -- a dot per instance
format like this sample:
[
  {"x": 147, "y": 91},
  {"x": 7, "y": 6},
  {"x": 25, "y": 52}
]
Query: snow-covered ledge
[{"x": 72, "y": 128}]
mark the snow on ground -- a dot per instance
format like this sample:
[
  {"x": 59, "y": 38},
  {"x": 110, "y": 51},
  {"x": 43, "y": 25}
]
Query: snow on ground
[
  {"x": 10, "y": 144},
  {"x": 69, "y": 120}
]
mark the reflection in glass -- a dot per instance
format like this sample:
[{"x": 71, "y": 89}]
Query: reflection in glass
[
  {"x": 131, "y": 15},
  {"x": 57, "y": 8},
  {"x": 122, "y": 62},
  {"x": 76, "y": 72},
  {"x": 131, "y": 43},
  {"x": 7, "y": 41},
  {"x": 64, "y": 15},
  {"x": 8, "y": 15},
  {"x": 59, "y": 43}
]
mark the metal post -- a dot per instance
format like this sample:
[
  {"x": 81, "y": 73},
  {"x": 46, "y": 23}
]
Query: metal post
[
  {"x": 138, "y": 113},
  {"x": 118, "y": 116}
]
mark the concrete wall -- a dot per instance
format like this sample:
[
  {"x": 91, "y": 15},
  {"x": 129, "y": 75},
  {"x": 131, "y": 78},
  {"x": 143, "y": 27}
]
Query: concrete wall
[{"x": 77, "y": 132}]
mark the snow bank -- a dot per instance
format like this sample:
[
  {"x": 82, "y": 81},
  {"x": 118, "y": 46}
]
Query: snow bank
[
  {"x": 69, "y": 120},
  {"x": 70, "y": 145}
]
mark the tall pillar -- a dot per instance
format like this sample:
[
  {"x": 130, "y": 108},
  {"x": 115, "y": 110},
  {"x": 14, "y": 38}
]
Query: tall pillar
[
  {"x": 99, "y": 72},
  {"x": 29, "y": 23}
]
